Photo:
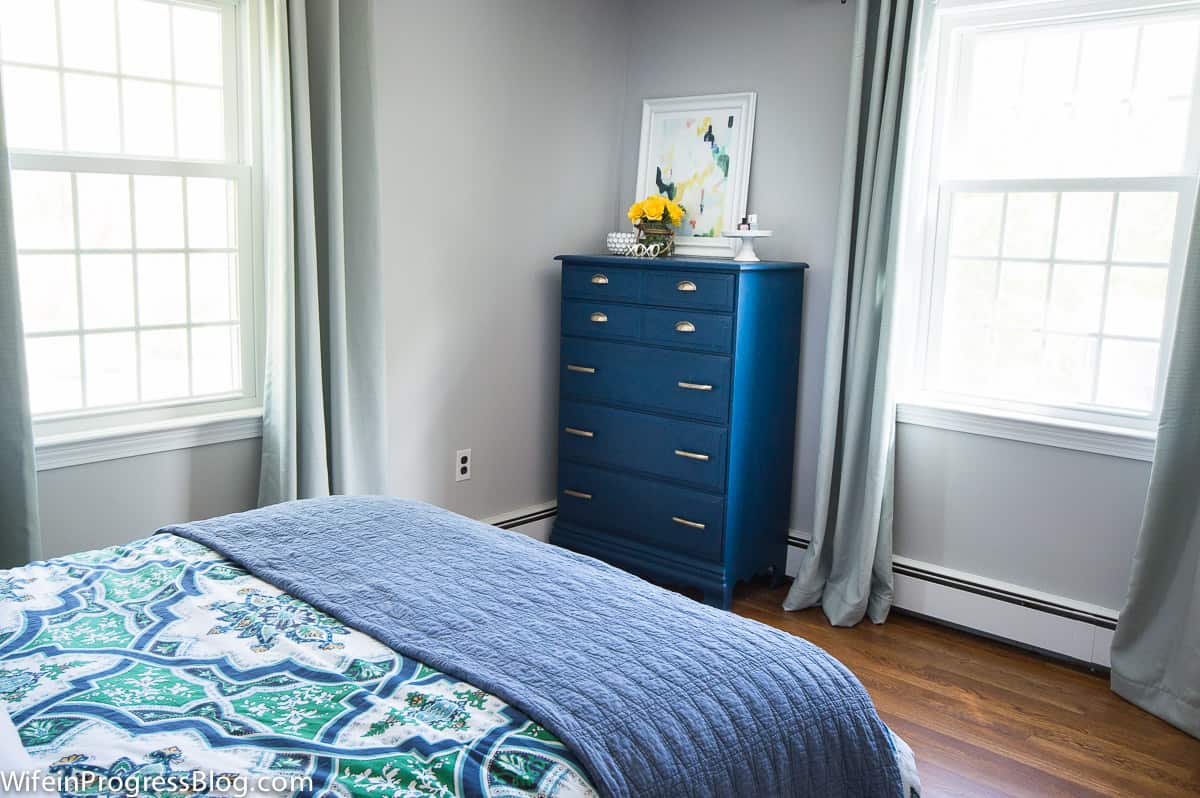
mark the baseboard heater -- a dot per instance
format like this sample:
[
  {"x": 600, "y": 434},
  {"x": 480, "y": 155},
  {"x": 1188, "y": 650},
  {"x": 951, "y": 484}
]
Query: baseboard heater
[
  {"x": 527, "y": 518},
  {"x": 1030, "y": 621}
]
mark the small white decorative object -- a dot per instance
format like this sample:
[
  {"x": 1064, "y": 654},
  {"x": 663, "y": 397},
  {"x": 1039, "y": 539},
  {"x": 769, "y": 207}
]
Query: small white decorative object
[
  {"x": 621, "y": 243},
  {"x": 745, "y": 253}
]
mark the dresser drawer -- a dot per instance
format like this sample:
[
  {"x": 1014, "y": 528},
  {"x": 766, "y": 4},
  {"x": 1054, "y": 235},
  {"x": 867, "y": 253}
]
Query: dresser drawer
[
  {"x": 668, "y": 516},
  {"x": 712, "y": 332},
  {"x": 602, "y": 320},
  {"x": 683, "y": 383},
  {"x": 686, "y": 451},
  {"x": 599, "y": 283},
  {"x": 688, "y": 290}
]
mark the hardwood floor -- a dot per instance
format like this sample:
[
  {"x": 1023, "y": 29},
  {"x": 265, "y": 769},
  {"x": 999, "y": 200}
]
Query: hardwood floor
[{"x": 988, "y": 719}]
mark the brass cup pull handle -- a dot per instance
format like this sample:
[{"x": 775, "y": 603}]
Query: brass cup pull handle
[
  {"x": 685, "y": 522},
  {"x": 581, "y": 369},
  {"x": 691, "y": 386},
  {"x": 582, "y": 433},
  {"x": 599, "y": 318},
  {"x": 685, "y": 327},
  {"x": 578, "y": 494},
  {"x": 685, "y": 285},
  {"x": 692, "y": 455},
  {"x": 599, "y": 279}
]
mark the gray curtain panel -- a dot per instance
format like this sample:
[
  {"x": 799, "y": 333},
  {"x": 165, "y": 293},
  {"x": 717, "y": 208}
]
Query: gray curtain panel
[
  {"x": 324, "y": 426},
  {"x": 847, "y": 568},
  {"x": 1156, "y": 650},
  {"x": 19, "y": 538}
]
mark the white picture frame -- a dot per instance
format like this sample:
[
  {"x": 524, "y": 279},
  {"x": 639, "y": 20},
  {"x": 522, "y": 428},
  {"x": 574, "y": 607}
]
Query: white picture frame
[{"x": 674, "y": 138}]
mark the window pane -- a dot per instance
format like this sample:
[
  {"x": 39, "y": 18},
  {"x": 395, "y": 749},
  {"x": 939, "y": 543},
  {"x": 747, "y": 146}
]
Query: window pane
[
  {"x": 31, "y": 109},
  {"x": 48, "y": 298},
  {"x": 970, "y": 291},
  {"x": 145, "y": 38},
  {"x": 216, "y": 360},
  {"x": 214, "y": 287},
  {"x": 27, "y": 33},
  {"x": 1127, "y": 373},
  {"x": 197, "y": 45},
  {"x": 53, "y": 368},
  {"x": 103, "y": 211},
  {"x": 1083, "y": 223},
  {"x": 1167, "y": 60},
  {"x": 162, "y": 289},
  {"x": 158, "y": 206},
  {"x": 148, "y": 126},
  {"x": 107, "y": 291},
  {"x": 209, "y": 213},
  {"x": 1018, "y": 360},
  {"x": 975, "y": 224},
  {"x": 89, "y": 36},
  {"x": 42, "y": 210},
  {"x": 1021, "y": 297},
  {"x": 201, "y": 123},
  {"x": 1029, "y": 225},
  {"x": 92, "y": 114},
  {"x": 164, "y": 365},
  {"x": 1145, "y": 226},
  {"x": 1068, "y": 363},
  {"x": 1137, "y": 299},
  {"x": 1075, "y": 298},
  {"x": 111, "y": 363}
]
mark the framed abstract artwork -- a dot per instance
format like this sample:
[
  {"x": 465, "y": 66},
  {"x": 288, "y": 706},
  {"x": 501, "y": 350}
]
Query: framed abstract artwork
[{"x": 696, "y": 151}]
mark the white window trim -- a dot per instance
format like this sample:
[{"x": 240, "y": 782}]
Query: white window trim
[
  {"x": 1033, "y": 424},
  {"x": 72, "y": 439},
  {"x": 114, "y": 443},
  {"x": 1058, "y": 433}
]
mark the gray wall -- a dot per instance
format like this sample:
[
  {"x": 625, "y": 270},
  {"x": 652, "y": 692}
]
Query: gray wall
[
  {"x": 115, "y": 501},
  {"x": 1056, "y": 520},
  {"x": 796, "y": 55},
  {"x": 498, "y": 137}
]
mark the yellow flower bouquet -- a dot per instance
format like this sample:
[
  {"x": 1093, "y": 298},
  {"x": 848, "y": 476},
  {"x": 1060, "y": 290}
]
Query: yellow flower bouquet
[{"x": 655, "y": 217}]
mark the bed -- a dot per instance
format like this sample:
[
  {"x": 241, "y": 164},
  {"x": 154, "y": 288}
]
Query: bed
[{"x": 378, "y": 647}]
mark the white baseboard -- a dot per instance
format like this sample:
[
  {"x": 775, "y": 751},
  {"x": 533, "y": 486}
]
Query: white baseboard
[
  {"x": 1031, "y": 618},
  {"x": 534, "y": 521}
]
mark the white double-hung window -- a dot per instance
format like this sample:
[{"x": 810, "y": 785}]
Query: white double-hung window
[
  {"x": 129, "y": 136},
  {"x": 1063, "y": 155}
]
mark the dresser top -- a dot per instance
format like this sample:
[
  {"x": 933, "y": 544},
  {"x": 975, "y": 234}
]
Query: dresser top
[{"x": 699, "y": 264}]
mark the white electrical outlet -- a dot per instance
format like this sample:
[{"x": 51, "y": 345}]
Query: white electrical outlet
[{"x": 462, "y": 465}]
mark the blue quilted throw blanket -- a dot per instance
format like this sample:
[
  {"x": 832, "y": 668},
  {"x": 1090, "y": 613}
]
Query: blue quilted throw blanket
[{"x": 656, "y": 694}]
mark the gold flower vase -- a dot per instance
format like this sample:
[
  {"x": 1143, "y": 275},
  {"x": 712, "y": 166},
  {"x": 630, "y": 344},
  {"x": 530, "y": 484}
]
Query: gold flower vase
[{"x": 656, "y": 239}]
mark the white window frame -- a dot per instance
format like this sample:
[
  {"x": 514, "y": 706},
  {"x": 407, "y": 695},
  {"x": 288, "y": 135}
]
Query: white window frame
[
  {"x": 1119, "y": 433},
  {"x": 91, "y": 435}
]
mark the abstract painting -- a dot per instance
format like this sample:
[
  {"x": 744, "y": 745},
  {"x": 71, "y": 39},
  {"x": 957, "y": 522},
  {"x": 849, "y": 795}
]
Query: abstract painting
[{"x": 696, "y": 151}]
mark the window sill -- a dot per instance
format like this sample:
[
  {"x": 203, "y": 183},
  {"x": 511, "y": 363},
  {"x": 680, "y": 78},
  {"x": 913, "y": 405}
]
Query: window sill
[
  {"x": 1061, "y": 434},
  {"x": 64, "y": 451}
]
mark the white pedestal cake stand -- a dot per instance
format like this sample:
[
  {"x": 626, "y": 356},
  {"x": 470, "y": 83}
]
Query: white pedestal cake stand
[{"x": 745, "y": 253}]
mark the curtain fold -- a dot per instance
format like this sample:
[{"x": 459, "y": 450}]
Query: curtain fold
[
  {"x": 847, "y": 568},
  {"x": 1156, "y": 648},
  {"x": 324, "y": 425},
  {"x": 20, "y": 539}
]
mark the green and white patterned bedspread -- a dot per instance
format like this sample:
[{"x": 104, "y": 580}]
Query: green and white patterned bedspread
[{"x": 160, "y": 657}]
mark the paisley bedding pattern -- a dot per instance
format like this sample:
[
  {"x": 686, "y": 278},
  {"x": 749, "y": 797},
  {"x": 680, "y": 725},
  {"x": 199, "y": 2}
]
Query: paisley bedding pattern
[{"x": 162, "y": 657}]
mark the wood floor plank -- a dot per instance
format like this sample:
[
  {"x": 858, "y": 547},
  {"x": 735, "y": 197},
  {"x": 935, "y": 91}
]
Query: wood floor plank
[{"x": 988, "y": 719}]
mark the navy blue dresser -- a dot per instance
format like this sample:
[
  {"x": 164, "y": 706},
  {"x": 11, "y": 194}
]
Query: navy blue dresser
[{"x": 677, "y": 416}]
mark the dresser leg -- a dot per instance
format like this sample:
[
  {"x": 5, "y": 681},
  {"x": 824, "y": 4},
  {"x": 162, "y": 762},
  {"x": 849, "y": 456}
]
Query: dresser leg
[
  {"x": 777, "y": 574},
  {"x": 722, "y": 599}
]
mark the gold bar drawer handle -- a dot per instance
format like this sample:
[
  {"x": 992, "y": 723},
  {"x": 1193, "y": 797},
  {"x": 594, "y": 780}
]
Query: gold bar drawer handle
[
  {"x": 692, "y": 455},
  {"x": 685, "y": 522},
  {"x": 578, "y": 494},
  {"x": 691, "y": 386},
  {"x": 599, "y": 318},
  {"x": 581, "y": 369},
  {"x": 684, "y": 326},
  {"x": 582, "y": 433},
  {"x": 599, "y": 279},
  {"x": 685, "y": 285}
]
